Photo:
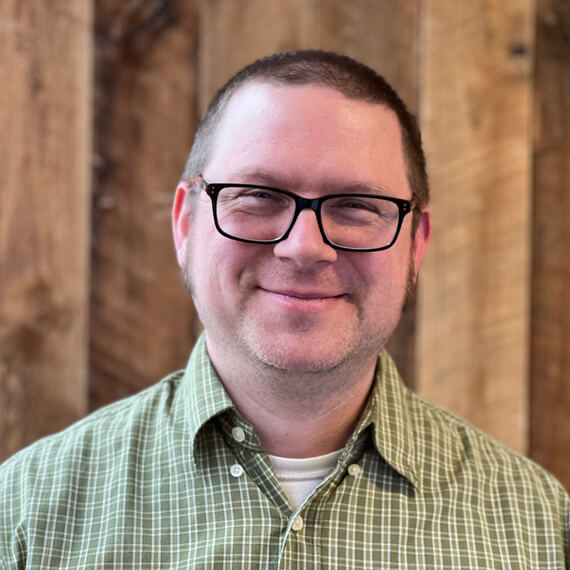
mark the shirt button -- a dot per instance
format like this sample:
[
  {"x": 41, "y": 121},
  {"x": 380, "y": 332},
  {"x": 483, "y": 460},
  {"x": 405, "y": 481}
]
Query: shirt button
[
  {"x": 297, "y": 523},
  {"x": 354, "y": 469},
  {"x": 238, "y": 434},
  {"x": 236, "y": 470}
]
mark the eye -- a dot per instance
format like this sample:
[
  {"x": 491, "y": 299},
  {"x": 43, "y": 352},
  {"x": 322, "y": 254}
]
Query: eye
[
  {"x": 258, "y": 194},
  {"x": 261, "y": 197},
  {"x": 352, "y": 210},
  {"x": 358, "y": 205},
  {"x": 257, "y": 201}
]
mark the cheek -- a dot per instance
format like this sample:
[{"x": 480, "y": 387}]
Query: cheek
[
  {"x": 215, "y": 267},
  {"x": 386, "y": 266},
  {"x": 386, "y": 276},
  {"x": 202, "y": 284},
  {"x": 198, "y": 271}
]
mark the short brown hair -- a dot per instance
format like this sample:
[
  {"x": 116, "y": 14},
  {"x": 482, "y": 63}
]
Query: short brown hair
[{"x": 315, "y": 67}]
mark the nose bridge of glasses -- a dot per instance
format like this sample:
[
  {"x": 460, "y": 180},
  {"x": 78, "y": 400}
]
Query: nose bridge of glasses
[
  {"x": 305, "y": 240},
  {"x": 302, "y": 203}
]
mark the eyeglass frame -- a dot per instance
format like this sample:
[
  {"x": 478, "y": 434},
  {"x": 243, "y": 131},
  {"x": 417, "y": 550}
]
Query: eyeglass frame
[{"x": 213, "y": 189}]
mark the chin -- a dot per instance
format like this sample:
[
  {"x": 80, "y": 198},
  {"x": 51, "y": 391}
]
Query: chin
[{"x": 303, "y": 356}]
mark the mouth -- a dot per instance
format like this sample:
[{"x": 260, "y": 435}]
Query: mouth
[
  {"x": 303, "y": 295},
  {"x": 303, "y": 302}
]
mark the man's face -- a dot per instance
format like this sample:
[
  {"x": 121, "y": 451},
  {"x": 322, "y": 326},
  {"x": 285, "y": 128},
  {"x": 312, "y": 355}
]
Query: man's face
[{"x": 299, "y": 305}]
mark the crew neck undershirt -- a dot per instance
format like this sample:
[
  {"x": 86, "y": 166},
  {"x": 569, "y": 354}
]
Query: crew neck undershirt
[{"x": 299, "y": 477}]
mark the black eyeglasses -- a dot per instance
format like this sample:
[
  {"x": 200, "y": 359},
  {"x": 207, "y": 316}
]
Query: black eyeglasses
[{"x": 348, "y": 222}]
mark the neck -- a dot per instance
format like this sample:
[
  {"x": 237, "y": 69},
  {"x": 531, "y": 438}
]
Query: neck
[{"x": 299, "y": 415}]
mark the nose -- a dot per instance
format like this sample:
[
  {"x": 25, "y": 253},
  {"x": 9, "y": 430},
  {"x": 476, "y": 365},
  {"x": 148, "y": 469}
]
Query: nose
[{"x": 304, "y": 244}]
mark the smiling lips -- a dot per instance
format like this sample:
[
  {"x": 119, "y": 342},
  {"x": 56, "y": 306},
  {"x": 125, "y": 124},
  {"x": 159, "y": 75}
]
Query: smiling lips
[{"x": 308, "y": 297}]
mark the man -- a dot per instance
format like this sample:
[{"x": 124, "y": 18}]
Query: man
[{"x": 289, "y": 441}]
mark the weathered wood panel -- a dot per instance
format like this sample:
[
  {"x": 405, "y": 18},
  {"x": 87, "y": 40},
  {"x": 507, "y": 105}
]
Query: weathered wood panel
[
  {"x": 45, "y": 63},
  {"x": 384, "y": 35},
  {"x": 465, "y": 66},
  {"x": 232, "y": 34},
  {"x": 474, "y": 300},
  {"x": 550, "y": 342},
  {"x": 142, "y": 320},
  {"x": 381, "y": 34}
]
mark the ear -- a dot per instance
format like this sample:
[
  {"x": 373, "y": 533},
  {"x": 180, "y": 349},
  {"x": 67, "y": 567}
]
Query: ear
[
  {"x": 181, "y": 221},
  {"x": 421, "y": 238}
]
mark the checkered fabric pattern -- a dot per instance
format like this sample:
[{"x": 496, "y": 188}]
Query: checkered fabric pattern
[{"x": 165, "y": 479}]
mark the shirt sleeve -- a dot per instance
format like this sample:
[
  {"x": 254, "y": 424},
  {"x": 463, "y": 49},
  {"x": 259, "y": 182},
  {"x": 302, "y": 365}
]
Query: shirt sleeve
[
  {"x": 567, "y": 532},
  {"x": 13, "y": 489}
]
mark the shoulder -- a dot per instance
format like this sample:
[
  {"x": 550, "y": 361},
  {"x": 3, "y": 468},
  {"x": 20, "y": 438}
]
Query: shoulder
[
  {"x": 444, "y": 454},
  {"x": 499, "y": 486},
  {"x": 89, "y": 467},
  {"x": 98, "y": 439},
  {"x": 454, "y": 452}
]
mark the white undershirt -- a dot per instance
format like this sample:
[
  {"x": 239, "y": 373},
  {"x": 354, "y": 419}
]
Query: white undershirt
[{"x": 298, "y": 477}]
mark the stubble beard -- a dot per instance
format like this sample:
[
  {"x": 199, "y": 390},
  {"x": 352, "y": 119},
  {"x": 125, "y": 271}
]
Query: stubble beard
[
  {"x": 259, "y": 355},
  {"x": 411, "y": 287},
  {"x": 352, "y": 349},
  {"x": 280, "y": 360}
]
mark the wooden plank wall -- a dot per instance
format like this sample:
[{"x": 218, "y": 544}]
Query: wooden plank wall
[
  {"x": 45, "y": 67},
  {"x": 489, "y": 335},
  {"x": 475, "y": 295},
  {"x": 550, "y": 339},
  {"x": 142, "y": 321}
]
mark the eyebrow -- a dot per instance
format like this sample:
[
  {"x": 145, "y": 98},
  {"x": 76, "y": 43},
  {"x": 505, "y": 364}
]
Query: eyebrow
[{"x": 263, "y": 177}]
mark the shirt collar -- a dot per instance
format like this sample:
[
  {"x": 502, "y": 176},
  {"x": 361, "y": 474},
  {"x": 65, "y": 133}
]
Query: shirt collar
[
  {"x": 204, "y": 394},
  {"x": 388, "y": 414},
  {"x": 424, "y": 443},
  {"x": 407, "y": 431}
]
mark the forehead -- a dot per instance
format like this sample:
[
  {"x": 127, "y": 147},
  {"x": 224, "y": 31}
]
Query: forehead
[{"x": 308, "y": 132}]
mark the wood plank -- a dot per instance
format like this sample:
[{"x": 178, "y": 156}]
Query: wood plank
[
  {"x": 474, "y": 300},
  {"x": 550, "y": 354},
  {"x": 381, "y": 34},
  {"x": 45, "y": 58},
  {"x": 233, "y": 34},
  {"x": 142, "y": 321},
  {"x": 384, "y": 35}
]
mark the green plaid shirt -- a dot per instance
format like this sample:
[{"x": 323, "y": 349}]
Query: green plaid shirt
[{"x": 174, "y": 478}]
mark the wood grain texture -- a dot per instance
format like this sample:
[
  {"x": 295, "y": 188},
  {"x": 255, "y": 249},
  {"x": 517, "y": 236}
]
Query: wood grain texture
[
  {"x": 550, "y": 340},
  {"x": 45, "y": 62},
  {"x": 142, "y": 321},
  {"x": 233, "y": 34},
  {"x": 491, "y": 318},
  {"x": 384, "y": 35},
  {"x": 474, "y": 300},
  {"x": 381, "y": 34}
]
